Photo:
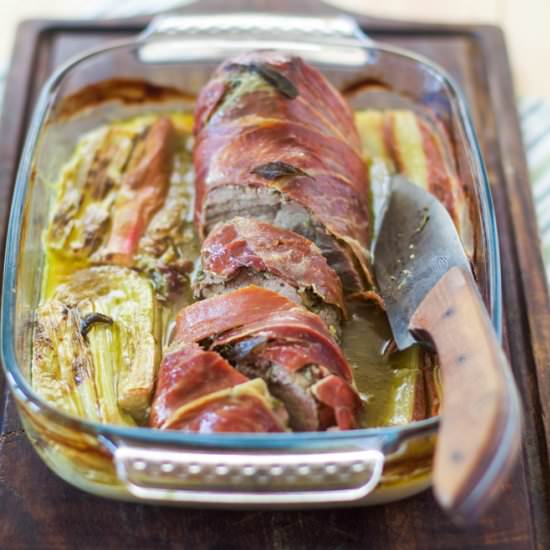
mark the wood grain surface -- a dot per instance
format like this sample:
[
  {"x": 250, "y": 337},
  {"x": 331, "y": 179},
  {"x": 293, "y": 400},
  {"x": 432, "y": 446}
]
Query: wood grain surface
[{"x": 37, "y": 510}]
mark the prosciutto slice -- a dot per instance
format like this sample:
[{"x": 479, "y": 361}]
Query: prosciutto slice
[
  {"x": 200, "y": 391},
  {"x": 243, "y": 408},
  {"x": 187, "y": 373},
  {"x": 253, "y": 311}
]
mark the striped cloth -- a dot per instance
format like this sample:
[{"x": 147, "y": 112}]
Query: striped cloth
[{"x": 535, "y": 126}]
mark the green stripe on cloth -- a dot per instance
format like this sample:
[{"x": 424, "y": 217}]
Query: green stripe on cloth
[{"x": 535, "y": 126}]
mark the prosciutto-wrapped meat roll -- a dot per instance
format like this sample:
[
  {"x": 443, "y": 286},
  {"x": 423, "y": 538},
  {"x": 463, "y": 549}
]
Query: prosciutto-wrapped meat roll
[
  {"x": 274, "y": 140},
  {"x": 246, "y": 251},
  {"x": 263, "y": 334}
]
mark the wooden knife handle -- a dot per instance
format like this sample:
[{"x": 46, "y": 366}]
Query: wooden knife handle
[{"x": 480, "y": 432}]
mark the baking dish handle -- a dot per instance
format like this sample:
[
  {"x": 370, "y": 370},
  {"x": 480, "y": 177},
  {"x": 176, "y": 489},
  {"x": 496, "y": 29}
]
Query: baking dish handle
[
  {"x": 265, "y": 25},
  {"x": 248, "y": 478},
  {"x": 167, "y": 38}
]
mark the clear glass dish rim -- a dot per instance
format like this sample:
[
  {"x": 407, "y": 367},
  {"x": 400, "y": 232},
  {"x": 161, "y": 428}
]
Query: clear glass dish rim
[{"x": 21, "y": 386}]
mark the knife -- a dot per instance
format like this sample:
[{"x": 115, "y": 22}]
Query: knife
[{"x": 431, "y": 298}]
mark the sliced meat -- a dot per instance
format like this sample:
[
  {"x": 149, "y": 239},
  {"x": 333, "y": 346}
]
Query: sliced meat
[
  {"x": 247, "y": 251},
  {"x": 300, "y": 328},
  {"x": 302, "y": 169},
  {"x": 208, "y": 285},
  {"x": 314, "y": 398},
  {"x": 263, "y": 334},
  {"x": 199, "y": 391},
  {"x": 187, "y": 372},
  {"x": 244, "y": 408},
  {"x": 253, "y": 311},
  {"x": 280, "y": 183},
  {"x": 271, "y": 205}
]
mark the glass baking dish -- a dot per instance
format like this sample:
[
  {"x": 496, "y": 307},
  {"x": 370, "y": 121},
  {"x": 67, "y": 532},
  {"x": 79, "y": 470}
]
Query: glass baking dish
[{"x": 364, "y": 466}]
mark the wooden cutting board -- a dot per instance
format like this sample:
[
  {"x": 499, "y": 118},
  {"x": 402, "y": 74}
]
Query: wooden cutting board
[{"x": 38, "y": 510}]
